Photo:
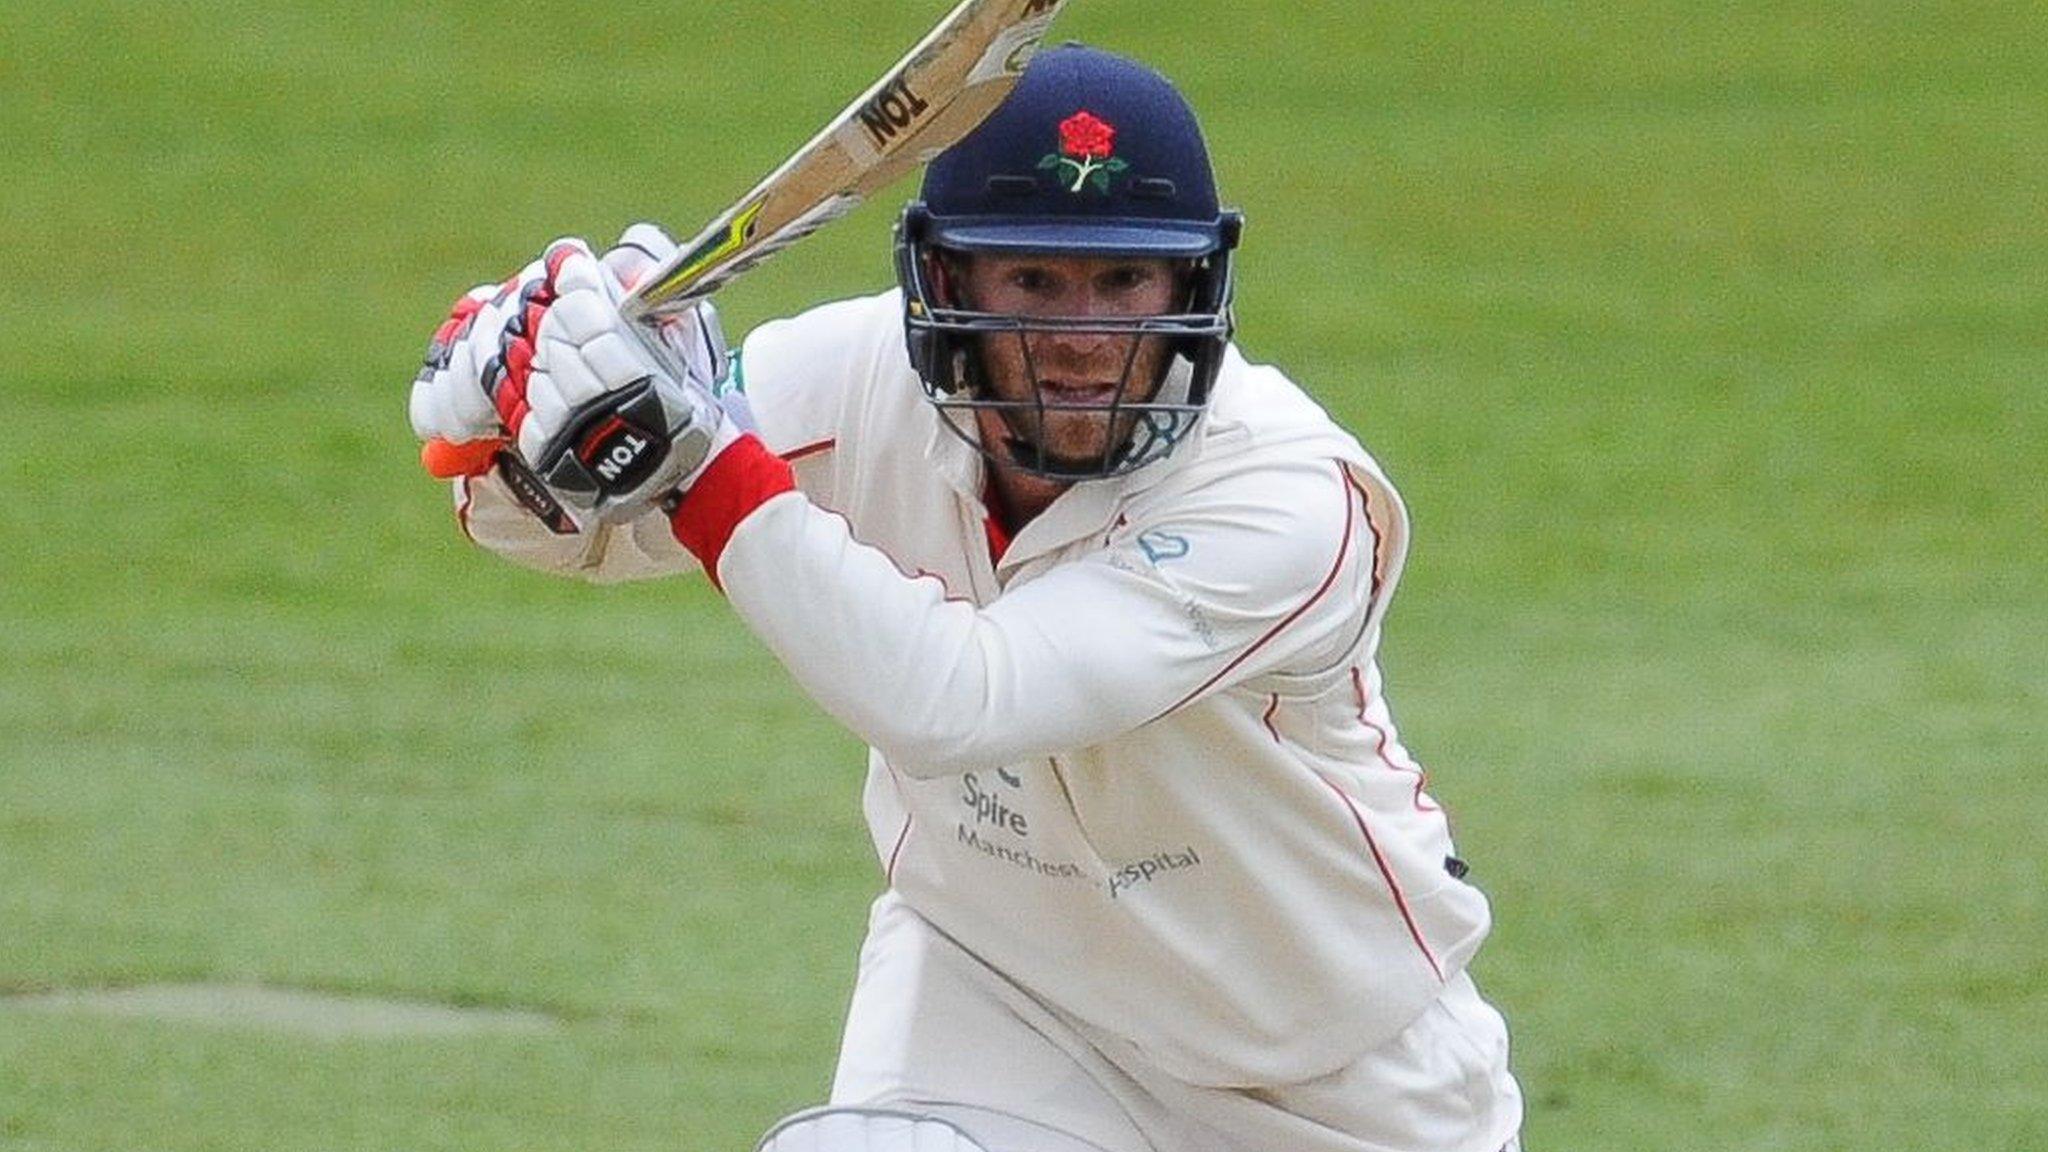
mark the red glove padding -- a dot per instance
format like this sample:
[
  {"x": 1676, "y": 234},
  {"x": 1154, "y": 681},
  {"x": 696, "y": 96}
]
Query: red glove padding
[{"x": 470, "y": 394}]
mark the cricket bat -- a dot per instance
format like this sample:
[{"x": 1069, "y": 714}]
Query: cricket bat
[{"x": 947, "y": 85}]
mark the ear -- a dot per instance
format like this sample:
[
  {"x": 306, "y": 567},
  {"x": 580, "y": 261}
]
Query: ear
[
  {"x": 947, "y": 272},
  {"x": 1187, "y": 276}
]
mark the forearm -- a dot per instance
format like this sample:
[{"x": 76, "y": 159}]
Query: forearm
[
  {"x": 937, "y": 684},
  {"x": 604, "y": 554}
]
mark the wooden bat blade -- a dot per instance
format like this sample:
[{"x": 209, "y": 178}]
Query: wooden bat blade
[{"x": 946, "y": 86}]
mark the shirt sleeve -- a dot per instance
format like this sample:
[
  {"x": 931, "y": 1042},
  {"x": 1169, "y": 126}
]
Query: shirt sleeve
[
  {"x": 641, "y": 549},
  {"x": 1262, "y": 572}
]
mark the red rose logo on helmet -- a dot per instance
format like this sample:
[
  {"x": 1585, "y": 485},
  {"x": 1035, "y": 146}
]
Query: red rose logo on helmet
[
  {"x": 1084, "y": 135},
  {"x": 1087, "y": 147}
]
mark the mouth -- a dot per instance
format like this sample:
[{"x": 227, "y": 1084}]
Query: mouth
[{"x": 1077, "y": 394}]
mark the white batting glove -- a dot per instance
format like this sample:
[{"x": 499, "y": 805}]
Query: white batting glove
[
  {"x": 641, "y": 248},
  {"x": 619, "y": 418},
  {"x": 464, "y": 391}
]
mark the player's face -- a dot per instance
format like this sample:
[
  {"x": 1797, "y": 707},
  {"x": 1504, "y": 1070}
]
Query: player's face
[{"x": 1075, "y": 376}]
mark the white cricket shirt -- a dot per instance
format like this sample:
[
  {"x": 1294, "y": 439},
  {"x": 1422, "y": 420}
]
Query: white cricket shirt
[{"x": 1142, "y": 763}]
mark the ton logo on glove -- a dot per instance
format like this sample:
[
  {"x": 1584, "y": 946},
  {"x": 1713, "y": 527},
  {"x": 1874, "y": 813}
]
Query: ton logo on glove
[
  {"x": 622, "y": 456},
  {"x": 619, "y": 445}
]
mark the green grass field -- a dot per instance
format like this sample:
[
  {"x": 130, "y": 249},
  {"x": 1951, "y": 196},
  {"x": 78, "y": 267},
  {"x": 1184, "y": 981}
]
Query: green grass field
[{"x": 1709, "y": 344}]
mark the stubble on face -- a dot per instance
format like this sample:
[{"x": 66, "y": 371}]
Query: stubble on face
[{"x": 1063, "y": 390}]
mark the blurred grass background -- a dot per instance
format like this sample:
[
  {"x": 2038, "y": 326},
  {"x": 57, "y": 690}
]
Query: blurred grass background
[{"x": 1708, "y": 345}]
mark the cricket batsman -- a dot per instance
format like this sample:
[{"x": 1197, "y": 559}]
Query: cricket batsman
[{"x": 1104, "y": 599}]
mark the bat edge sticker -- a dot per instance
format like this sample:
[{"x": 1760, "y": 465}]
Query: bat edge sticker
[{"x": 712, "y": 251}]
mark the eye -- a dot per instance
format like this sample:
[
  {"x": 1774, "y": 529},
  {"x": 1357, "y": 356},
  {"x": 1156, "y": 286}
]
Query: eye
[
  {"x": 1036, "y": 281},
  {"x": 1128, "y": 278}
]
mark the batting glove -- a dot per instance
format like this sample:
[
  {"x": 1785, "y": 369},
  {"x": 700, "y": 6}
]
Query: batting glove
[
  {"x": 617, "y": 417},
  {"x": 472, "y": 385}
]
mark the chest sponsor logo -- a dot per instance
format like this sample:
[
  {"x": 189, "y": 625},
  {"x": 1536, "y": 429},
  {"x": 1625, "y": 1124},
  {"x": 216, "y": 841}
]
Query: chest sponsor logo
[
  {"x": 989, "y": 808},
  {"x": 1018, "y": 857},
  {"x": 990, "y": 826},
  {"x": 1198, "y": 620},
  {"x": 1161, "y": 547},
  {"x": 1141, "y": 872}
]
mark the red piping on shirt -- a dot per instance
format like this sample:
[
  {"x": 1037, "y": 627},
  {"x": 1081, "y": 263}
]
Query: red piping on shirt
[
  {"x": 913, "y": 574},
  {"x": 796, "y": 454},
  {"x": 1365, "y": 498},
  {"x": 1422, "y": 803},
  {"x": 1267, "y": 719},
  {"x": 1343, "y": 551},
  {"x": 462, "y": 509},
  {"x": 1387, "y": 874},
  {"x": 889, "y": 870}
]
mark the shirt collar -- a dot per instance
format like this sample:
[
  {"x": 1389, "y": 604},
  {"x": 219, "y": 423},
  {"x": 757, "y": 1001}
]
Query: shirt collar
[{"x": 1085, "y": 509}]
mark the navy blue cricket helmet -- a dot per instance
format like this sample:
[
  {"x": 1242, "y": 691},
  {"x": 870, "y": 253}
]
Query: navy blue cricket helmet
[{"x": 1090, "y": 155}]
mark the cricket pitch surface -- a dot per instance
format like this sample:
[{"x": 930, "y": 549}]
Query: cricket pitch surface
[{"x": 319, "y": 1014}]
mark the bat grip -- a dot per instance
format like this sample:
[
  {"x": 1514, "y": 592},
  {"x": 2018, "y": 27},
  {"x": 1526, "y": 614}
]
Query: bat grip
[{"x": 445, "y": 460}]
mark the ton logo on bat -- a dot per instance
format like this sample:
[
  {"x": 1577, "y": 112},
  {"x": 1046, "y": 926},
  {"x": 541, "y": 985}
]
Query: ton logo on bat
[{"x": 892, "y": 110}]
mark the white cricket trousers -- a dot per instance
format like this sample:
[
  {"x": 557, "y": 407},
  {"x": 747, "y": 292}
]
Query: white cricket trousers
[{"x": 933, "y": 1029}]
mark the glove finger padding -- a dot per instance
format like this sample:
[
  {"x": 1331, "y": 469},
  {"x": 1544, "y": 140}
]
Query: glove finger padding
[
  {"x": 473, "y": 383},
  {"x": 509, "y": 376},
  {"x": 695, "y": 339},
  {"x": 641, "y": 248},
  {"x": 448, "y": 402}
]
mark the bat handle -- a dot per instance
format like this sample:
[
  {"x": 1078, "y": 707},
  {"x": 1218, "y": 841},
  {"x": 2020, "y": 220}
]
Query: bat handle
[{"x": 446, "y": 461}]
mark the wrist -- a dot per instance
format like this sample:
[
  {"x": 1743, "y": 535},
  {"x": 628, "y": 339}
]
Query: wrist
[{"x": 731, "y": 486}]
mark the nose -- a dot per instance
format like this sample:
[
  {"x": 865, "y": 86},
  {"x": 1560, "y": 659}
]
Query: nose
[
  {"x": 1078, "y": 355},
  {"x": 1083, "y": 302},
  {"x": 1075, "y": 345}
]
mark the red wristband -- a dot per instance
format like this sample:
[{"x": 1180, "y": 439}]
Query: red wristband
[{"x": 742, "y": 478}]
